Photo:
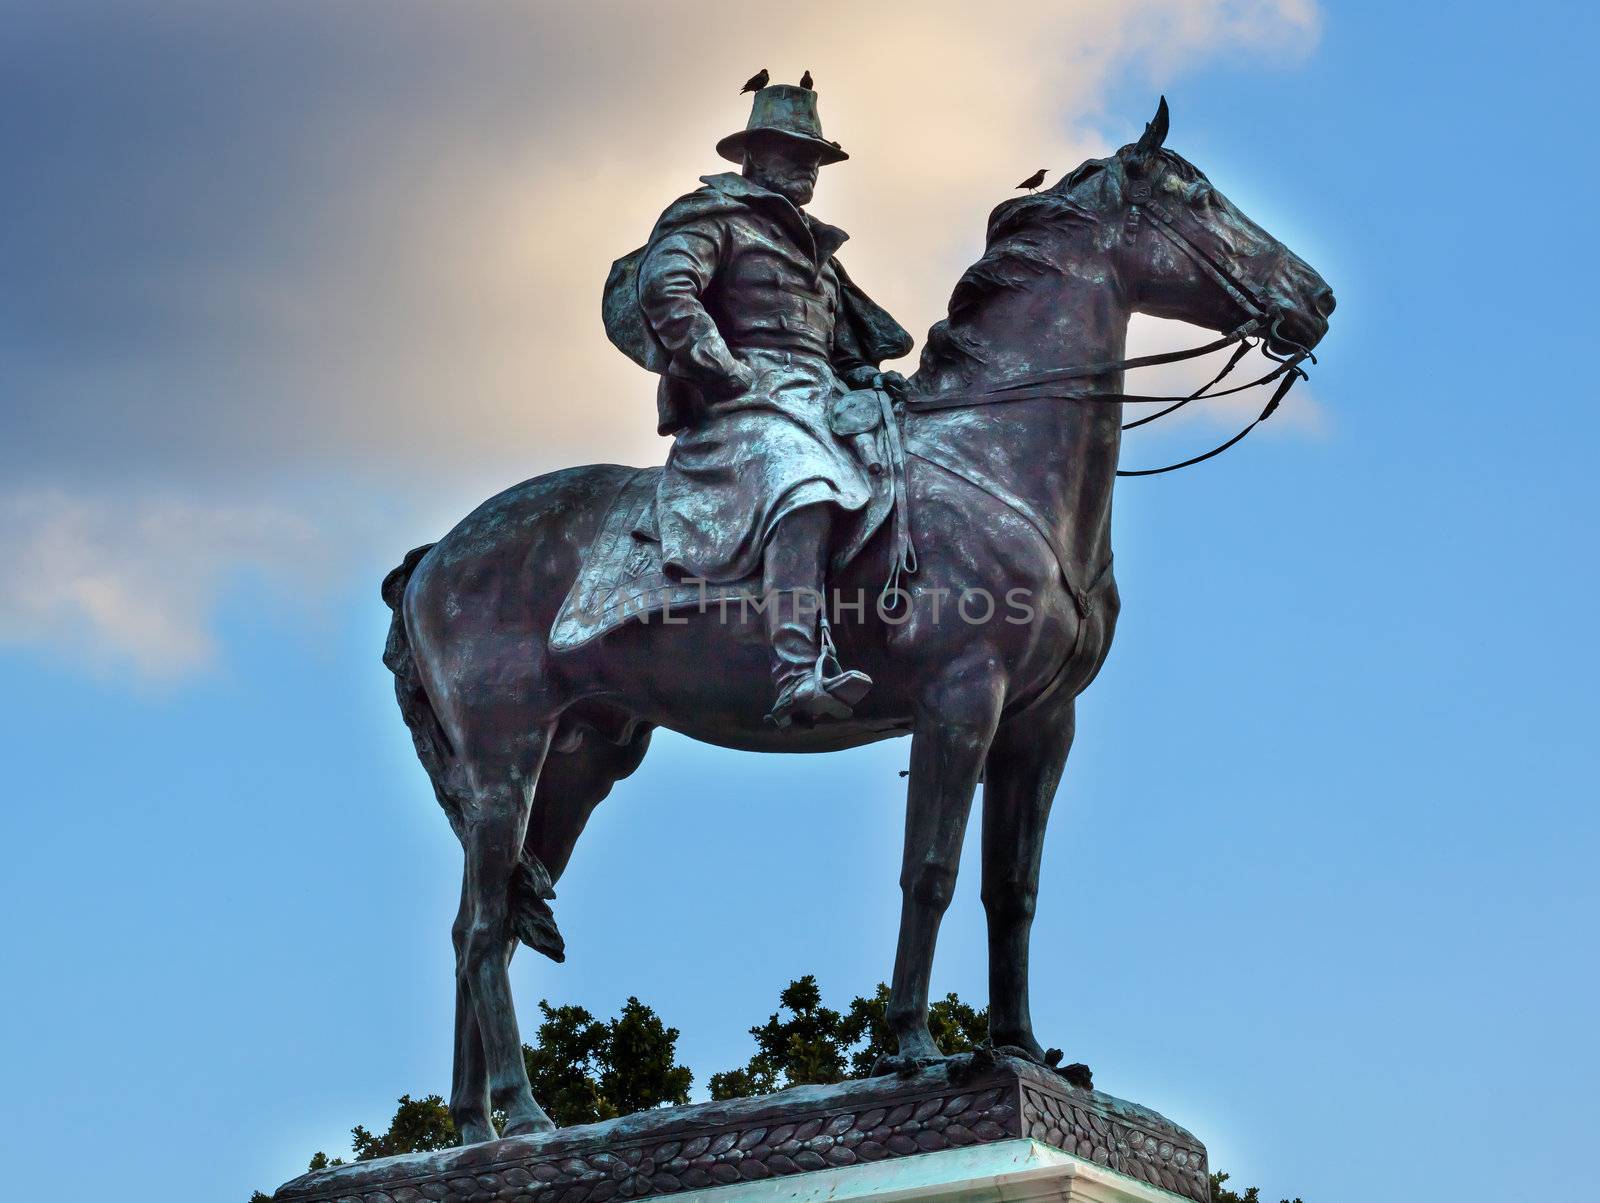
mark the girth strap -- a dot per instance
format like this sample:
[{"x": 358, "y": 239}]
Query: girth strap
[
  {"x": 1082, "y": 597},
  {"x": 903, "y": 552}
]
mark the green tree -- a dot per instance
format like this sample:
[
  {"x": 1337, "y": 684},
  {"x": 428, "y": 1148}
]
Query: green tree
[
  {"x": 1221, "y": 1194},
  {"x": 956, "y": 1027},
  {"x": 583, "y": 1070},
  {"x": 809, "y": 1046},
  {"x": 818, "y": 1045},
  {"x": 641, "y": 1069},
  {"x": 562, "y": 1064},
  {"x": 419, "y": 1126}
]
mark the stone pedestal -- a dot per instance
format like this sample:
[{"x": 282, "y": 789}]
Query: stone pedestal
[{"x": 973, "y": 1128}]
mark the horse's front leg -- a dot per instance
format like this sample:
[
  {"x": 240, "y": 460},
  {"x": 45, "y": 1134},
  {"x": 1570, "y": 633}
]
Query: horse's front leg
[
  {"x": 954, "y": 725},
  {"x": 1024, "y": 768}
]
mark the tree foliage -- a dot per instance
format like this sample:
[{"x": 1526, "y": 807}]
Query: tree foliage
[
  {"x": 1221, "y": 1194},
  {"x": 806, "y": 1046},
  {"x": 583, "y": 1070},
  {"x": 816, "y": 1045},
  {"x": 419, "y": 1126}
]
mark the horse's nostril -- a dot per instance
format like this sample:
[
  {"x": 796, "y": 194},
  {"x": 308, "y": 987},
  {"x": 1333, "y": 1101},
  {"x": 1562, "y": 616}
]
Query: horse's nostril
[{"x": 1324, "y": 302}]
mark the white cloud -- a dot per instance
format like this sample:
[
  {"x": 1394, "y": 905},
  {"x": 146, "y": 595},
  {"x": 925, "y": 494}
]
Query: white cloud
[{"x": 119, "y": 587}]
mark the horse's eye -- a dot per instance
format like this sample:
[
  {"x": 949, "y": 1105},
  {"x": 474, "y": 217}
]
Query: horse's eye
[{"x": 1200, "y": 192}]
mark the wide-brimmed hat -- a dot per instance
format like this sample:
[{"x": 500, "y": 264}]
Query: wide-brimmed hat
[{"x": 787, "y": 110}]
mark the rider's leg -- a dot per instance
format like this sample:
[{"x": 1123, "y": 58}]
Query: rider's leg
[
  {"x": 791, "y": 584},
  {"x": 794, "y": 570}
]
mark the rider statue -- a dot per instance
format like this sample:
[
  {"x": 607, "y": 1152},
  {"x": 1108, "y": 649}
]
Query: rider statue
[{"x": 739, "y": 304}]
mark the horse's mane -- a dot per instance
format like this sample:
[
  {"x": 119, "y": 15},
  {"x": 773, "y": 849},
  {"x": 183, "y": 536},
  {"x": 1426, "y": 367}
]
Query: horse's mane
[{"x": 1015, "y": 254}]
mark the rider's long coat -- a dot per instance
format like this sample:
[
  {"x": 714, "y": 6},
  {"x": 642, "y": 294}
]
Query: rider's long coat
[{"x": 738, "y": 301}]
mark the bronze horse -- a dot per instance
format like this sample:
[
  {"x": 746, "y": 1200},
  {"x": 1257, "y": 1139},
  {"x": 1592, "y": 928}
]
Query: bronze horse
[{"x": 521, "y": 744}]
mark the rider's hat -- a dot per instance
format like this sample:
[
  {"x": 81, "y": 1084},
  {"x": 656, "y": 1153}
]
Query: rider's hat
[{"x": 787, "y": 110}]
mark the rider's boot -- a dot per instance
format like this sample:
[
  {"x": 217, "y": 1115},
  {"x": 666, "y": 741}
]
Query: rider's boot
[{"x": 797, "y": 626}]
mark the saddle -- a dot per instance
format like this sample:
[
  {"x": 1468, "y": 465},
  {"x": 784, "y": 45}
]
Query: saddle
[{"x": 623, "y": 578}]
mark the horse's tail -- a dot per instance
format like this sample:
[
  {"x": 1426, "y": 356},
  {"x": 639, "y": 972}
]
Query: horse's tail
[
  {"x": 433, "y": 745},
  {"x": 531, "y": 888}
]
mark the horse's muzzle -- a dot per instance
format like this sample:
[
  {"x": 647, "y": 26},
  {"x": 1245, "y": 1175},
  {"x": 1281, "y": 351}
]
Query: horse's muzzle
[{"x": 1302, "y": 329}]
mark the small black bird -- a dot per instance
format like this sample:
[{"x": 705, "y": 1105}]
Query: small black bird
[
  {"x": 805, "y": 80},
  {"x": 756, "y": 82},
  {"x": 1034, "y": 180}
]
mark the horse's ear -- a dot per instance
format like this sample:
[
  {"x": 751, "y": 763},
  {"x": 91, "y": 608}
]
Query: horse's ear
[{"x": 1155, "y": 133}]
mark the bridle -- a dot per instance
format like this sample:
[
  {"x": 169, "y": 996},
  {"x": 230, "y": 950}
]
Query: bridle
[{"x": 1262, "y": 326}]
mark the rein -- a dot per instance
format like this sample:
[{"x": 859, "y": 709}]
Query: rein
[{"x": 1262, "y": 325}]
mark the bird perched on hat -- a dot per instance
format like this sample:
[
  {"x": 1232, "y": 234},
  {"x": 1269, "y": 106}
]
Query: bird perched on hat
[
  {"x": 1034, "y": 180},
  {"x": 756, "y": 82},
  {"x": 788, "y": 111}
]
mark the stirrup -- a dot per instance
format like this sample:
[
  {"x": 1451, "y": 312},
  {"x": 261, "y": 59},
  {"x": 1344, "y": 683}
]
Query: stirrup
[
  {"x": 815, "y": 696},
  {"x": 820, "y": 694}
]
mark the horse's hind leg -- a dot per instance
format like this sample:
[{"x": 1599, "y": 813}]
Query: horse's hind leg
[
  {"x": 494, "y": 822},
  {"x": 1024, "y": 768},
  {"x": 601, "y": 749},
  {"x": 954, "y": 726},
  {"x": 570, "y": 785},
  {"x": 469, "y": 1082}
]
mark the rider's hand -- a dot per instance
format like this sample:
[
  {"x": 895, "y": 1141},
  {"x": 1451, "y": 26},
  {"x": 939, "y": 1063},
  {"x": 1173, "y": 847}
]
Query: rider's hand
[
  {"x": 894, "y": 384},
  {"x": 861, "y": 376}
]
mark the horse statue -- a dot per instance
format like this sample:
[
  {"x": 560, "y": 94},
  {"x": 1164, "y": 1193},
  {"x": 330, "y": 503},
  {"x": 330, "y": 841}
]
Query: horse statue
[{"x": 1011, "y": 429}]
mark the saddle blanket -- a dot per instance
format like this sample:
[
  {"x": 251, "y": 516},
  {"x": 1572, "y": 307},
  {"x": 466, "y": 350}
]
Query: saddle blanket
[{"x": 622, "y": 576}]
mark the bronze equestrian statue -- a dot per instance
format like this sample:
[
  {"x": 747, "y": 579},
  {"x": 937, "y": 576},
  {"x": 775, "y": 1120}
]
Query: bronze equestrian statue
[{"x": 1005, "y": 448}]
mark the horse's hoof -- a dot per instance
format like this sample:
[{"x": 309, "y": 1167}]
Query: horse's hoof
[
  {"x": 1078, "y": 1074},
  {"x": 904, "y": 1064},
  {"x": 533, "y": 1125},
  {"x": 966, "y": 1066},
  {"x": 476, "y": 1134},
  {"x": 1033, "y": 1055}
]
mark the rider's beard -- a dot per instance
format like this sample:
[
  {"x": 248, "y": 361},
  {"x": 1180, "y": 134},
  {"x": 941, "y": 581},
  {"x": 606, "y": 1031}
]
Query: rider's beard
[
  {"x": 794, "y": 184},
  {"x": 797, "y": 188}
]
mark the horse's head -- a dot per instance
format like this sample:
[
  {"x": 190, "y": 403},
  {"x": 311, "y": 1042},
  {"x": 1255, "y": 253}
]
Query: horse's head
[
  {"x": 1187, "y": 252},
  {"x": 1141, "y": 231}
]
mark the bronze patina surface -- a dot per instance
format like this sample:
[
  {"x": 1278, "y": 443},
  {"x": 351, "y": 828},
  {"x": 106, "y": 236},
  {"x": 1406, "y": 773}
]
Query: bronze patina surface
[
  {"x": 1009, "y": 435},
  {"x": 659, "y": 1153}
]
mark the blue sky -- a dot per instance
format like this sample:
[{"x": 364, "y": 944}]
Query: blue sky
[{"x": 285, "y": 293}]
